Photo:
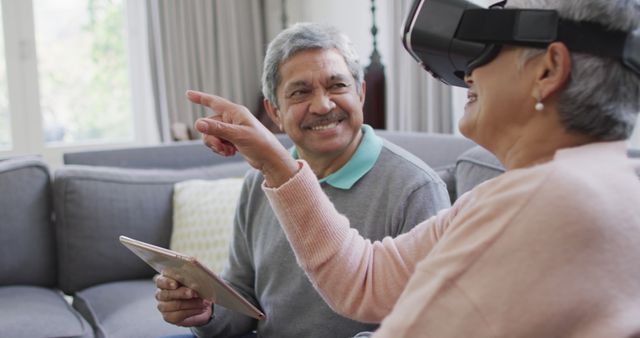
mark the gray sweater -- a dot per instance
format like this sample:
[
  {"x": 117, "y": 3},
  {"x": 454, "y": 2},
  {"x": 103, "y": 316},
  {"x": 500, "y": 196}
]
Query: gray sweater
[{"x": 396, "y": 194}]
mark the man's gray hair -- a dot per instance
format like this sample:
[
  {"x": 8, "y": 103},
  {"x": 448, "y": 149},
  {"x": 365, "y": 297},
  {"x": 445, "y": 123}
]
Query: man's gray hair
[
  {"x": 301, "y": 37},
  {"x": 602, "y": 98}
]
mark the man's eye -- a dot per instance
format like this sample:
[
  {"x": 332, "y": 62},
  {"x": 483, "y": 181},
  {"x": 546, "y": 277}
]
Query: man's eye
[
  {"x": 298, "y": 93},
  {"x": 339, "y": 87}
]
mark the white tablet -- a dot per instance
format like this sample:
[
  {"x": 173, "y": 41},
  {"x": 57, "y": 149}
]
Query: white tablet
[{"x": 192, "y": 274}]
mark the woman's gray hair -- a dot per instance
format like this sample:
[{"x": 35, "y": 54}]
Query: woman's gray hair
[
  {"x": 301, "y": 37},
  {"x": 602, "y": 98}
]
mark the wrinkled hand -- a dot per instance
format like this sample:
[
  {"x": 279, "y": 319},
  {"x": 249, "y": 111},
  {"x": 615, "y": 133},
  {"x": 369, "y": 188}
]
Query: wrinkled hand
[
  {"x": 233, "y": 128},
  {"x": 180, "y": 305}
]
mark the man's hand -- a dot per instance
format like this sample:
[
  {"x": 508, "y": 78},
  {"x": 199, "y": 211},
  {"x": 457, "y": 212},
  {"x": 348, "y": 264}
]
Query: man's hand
[
  {"x": 180, "y": 305},
  {"x": 233, "y": 128}
]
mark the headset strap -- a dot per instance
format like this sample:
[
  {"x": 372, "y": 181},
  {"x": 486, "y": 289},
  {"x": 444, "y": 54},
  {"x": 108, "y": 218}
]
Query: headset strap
[{"x": 539, "y": 27}]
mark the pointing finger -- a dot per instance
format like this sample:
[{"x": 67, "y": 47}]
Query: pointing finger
[
  {"x": 216, "y": 103},
  {"x": 225, "y": 133}
]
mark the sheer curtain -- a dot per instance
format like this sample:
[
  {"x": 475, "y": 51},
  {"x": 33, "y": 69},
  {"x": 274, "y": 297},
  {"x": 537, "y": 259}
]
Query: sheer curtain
[
  {"x": 216, "y": 46},
  {"x": 415, "y": 101}
]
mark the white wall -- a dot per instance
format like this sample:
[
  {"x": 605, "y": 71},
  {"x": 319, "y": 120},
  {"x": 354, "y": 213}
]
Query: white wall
[{"x": 352, "y": 17}]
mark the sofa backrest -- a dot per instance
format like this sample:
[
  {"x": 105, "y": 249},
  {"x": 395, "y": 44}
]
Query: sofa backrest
[
  {"x": 95, "y": 205},
  {"x": 439, "y": 151},
  {"x": 179, "y": 155},
  {"x": 27, "y": 243},
  {"x": 475, "y": 166}
]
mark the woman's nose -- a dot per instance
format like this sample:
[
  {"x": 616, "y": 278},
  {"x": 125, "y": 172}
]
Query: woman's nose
[
  {"x": 322, "y": 104},
  {"x": 467, "y": 77}
]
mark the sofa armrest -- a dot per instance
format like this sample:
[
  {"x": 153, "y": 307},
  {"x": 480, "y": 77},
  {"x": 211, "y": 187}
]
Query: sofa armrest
[{"x": 27, "y": 239}]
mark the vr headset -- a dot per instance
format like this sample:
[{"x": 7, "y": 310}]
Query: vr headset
[{"x": 450, "y": 38}]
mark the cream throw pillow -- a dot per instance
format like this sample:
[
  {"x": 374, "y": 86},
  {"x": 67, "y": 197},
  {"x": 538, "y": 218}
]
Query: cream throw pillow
[{"x": 203, "y": 213}]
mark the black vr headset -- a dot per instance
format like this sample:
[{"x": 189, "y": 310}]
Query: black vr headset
[{"x": 450, "y": 38}]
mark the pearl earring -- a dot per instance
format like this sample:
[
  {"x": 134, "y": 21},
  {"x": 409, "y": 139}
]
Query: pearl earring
[{"x": 539, "y": 105}]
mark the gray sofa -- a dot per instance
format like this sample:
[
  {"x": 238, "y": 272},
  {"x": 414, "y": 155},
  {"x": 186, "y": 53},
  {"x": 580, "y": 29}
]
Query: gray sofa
[{"x": 63, "y": 272}]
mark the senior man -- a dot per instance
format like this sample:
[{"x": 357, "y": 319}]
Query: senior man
[{"x": 314, "y": 91}]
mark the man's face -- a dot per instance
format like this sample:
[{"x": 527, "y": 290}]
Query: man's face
[{"x": 319, "y": 107}]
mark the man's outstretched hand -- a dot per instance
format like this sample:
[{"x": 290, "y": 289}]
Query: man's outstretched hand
[{"x": 232, "y": 127}]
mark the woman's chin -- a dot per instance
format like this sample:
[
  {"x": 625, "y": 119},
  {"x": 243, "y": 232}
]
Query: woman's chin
[{"x": 464, "y": 126}]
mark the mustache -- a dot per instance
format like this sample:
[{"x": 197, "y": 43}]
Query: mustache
[{"x": 334, "y": 116}]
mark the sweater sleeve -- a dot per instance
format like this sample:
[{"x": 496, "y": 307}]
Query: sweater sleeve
[{"x": 357, "y": 278}]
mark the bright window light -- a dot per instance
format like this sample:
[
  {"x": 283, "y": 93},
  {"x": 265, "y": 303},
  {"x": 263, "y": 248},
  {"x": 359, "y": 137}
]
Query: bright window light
[{"x": 83, "y": 72}]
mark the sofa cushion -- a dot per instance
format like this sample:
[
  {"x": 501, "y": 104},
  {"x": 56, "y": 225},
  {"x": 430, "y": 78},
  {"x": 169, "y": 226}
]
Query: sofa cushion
[
  {"x": 95, "y": 205},
  {"x": 203, "y": 213},
  {"x": 27, "y": 246},
  {"x": 114, "y": 318},
  {"x": 439, "y": 151},
  {"x": 29, "y": 311},
  {"x": 475, "y": 166}
]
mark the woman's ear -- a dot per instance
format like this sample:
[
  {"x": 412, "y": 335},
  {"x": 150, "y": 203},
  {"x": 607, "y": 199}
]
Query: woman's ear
[
  {"x": 273, "y": 112},
  {"x": 555, "y": 69}
]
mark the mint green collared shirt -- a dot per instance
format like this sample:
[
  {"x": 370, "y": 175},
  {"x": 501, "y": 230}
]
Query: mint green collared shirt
[{"x": 360, "y": 163}]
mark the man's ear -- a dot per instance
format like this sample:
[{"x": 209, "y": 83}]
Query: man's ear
[
  {"x": 273, "y": 112},
  {"x": 363, "y": 91},
  {"x": 554, "y": 71}
]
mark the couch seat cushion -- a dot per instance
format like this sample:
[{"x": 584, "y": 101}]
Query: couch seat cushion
[
  {"x": 124, "y": 309},
  {"x": 29, "y": 311}
]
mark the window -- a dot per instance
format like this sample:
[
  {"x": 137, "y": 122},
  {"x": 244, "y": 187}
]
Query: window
[
  {"x": 82, "y": 69},
  {"x": 65, "y": 78}
]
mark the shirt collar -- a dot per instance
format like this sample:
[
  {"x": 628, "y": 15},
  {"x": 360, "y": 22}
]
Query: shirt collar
[{"x": 358, "y": 165}]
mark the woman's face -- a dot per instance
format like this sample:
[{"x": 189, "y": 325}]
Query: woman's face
[{"x": 499, "y": 100}]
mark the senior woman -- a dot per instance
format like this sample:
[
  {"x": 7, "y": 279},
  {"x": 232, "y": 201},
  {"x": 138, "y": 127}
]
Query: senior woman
[{"x": 548, "y": 249}]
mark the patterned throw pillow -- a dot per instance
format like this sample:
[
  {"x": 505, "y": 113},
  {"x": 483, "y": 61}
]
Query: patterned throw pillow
[{"x": 203, "y": 213}]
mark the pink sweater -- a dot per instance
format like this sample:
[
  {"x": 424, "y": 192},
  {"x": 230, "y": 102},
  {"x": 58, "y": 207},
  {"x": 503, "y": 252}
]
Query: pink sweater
[{"x": 547, "y": 251}]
